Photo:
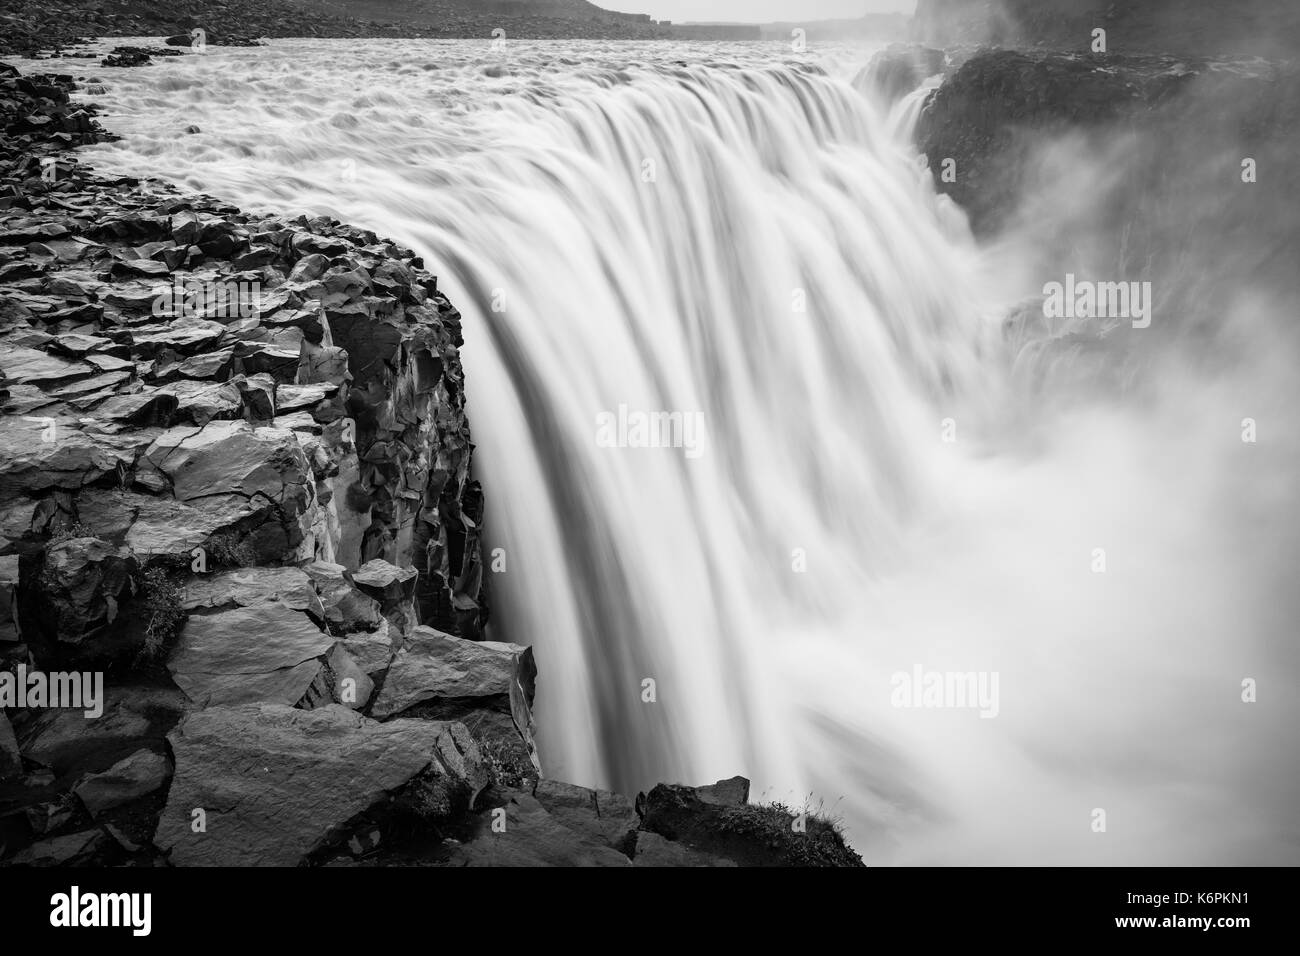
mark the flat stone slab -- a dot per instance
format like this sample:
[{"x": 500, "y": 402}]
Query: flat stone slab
[
  {"x": 267, "y": 652},
  {"x": 275, "y": 783}
]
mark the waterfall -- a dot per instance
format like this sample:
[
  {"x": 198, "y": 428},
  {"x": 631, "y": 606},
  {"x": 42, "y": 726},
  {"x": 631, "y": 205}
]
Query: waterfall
[{"x": 730, "y": 247}]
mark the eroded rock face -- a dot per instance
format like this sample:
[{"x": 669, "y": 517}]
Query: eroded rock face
[
  {"x": 203, "y": 390},
  {"x": 234, "y": 471},
  {"x": 276, "y": 784}
]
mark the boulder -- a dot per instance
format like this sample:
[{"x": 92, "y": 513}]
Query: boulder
[
  {"x": 232, "y": 458},
  {"x": 598, "y": 815},
  {"x": 652, "y": 850},
  {"x": 435, "y": 666},
  {"x": 71, "y": 746},
  {"x": 385, "y": 582},
  {"x": 82, "y": 584},
  {"x": 267, "y": 652},
  {"x": 10, "y": 631},
  {"x": 69, "y": 850},
  {"x": 276, "y": 784},
  {"x": 73, "y": 458},
  {"x": 745, "y": 834},
  {"x": 246, "y": 587},
  {"x": 131, "y": 778},
  {"x": 347, "y": 608},
  {"x": 11, "y": 763},
  {"x": 532, "y": 837}
]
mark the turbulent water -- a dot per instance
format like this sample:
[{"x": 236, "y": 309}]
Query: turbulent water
[{"x": 733, "y": 233}]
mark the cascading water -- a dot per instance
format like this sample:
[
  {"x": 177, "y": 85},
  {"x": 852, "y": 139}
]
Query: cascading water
[{"x": 738, "y": 237}]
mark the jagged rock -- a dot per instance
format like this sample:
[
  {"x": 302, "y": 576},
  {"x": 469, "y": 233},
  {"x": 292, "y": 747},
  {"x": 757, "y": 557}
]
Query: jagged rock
[
  {"x": 10, "y": 630},
  {"x": 68, "y": 850},
  {"x": 11, "y": 763},
  {"x": 732, "y": 792},
  {"x": 372, "y": 652},
  {"x": 534, "y": 837},
  {"x": 201, "y": 402},
  {"x": 250, "y": 586},
  {"x": 385, "y": 582},
  {"x": 82, "y": 583},
  {"x": 46, "y": 818},
  {"x": 73, "y": 459},
  {"x": 652, "y": 850},
  {"x": 229, "y": 458},
  {"x": 72, "y": 746},
  {"x": 290, "y": 398},
  {"x": 347, "y": 608},
  {"x": 19, "y": 364},
  {"x": 148, "y": 407},
  {"x": 277, "y": 784},
  {"x": 151, "y": 526},
  {"x": 267, "y": 652},
  {"x": 436, "y": 666},
  {"x": 746, "y": 834},
  {"x": 598, "y": 815},
  {"x": 899, "y": 69},
  {"x": 352, "y": 685},
  {"x": 129, "y": 779}
]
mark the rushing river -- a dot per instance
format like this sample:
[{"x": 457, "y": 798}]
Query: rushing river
[{"x": 858, "y": 485}]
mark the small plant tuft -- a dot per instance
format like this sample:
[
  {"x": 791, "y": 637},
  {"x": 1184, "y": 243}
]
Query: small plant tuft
[{"x": 164, "y": 614}]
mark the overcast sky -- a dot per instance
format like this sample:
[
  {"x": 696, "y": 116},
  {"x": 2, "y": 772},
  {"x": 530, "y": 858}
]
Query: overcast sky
[{"x": 757, "y": 11}]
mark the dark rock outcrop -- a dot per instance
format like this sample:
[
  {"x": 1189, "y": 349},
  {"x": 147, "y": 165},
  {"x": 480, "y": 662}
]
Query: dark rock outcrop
[
  {"x": 235, "y": 462},
  {"x": 670, "y": 826},
  {"x": 269, "y": 785}
]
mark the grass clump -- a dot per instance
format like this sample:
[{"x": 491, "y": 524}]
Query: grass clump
[
  {"x": 163, "y": 611},
  {"x": 803, "y": 838}
]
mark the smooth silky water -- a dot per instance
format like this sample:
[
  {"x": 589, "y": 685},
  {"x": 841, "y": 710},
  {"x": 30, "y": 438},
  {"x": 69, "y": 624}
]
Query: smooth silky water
[{"x": 732, "y": 231}]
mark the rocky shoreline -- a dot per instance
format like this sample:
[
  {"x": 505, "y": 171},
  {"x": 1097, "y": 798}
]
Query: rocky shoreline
[{"x": 238, "y": 489}]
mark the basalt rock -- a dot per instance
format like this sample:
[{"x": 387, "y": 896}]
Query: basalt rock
[
  {"x": 131, "y": 778},
  {"x": 83, "y": 583},
  {"x": 899, "y": 69},
  {"x": 276, "y": 785},
  {"x": 266, "y": 652},
  {"x": 718, "y": 822},
  {"x": 234, "y": 460}
]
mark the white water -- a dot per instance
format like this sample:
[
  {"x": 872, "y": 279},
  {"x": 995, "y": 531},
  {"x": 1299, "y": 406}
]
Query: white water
[{"x": 519, "y": 174}]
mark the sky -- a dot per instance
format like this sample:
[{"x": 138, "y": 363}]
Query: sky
[{"x": 757, "y": 11}]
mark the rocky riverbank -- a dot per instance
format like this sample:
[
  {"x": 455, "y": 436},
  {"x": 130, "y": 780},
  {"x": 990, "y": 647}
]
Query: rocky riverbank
[{"x": 240, "y": 532}]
